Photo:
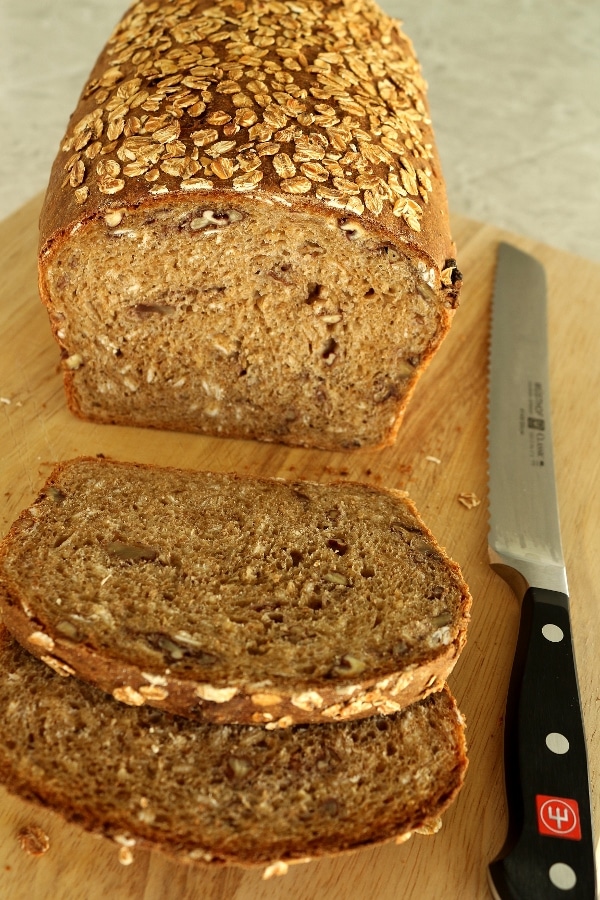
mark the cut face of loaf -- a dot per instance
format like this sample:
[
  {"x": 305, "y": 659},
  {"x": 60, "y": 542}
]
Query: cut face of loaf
[
  {"x": 250, "y": 237},
  {"x": 209, "y": 793},
  {"x": 239, "y": 318},
  {"x": 233, "y": 599}
]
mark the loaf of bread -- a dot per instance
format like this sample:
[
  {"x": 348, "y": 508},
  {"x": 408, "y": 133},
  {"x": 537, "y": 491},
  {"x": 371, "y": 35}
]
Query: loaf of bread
[
  {"x": 246, "y": 230},
  {"x": 230, "y": 599},
  {"x": 231, "y": 793}
]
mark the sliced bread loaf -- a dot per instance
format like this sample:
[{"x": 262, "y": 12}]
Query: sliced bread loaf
[
  {"x": 232, "y": 599},
  {"x": 235, "y": 793},
  {"x": 246, "y": 230}
]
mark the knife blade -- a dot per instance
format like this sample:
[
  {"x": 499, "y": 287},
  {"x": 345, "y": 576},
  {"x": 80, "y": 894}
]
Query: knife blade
[{"x": 549, "y": 849}]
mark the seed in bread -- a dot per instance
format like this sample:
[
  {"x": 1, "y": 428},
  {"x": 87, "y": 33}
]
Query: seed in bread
[
  {"x": 233, "y": 599},
  {"x": 246, "y": 230},
  {"x": 222, "y": 794}
]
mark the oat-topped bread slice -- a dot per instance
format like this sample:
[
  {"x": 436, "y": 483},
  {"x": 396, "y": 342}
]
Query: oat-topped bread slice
[
  {"x": 229, "y": 793},
  {"x": 246, "y": 230},
  {"x": 233, "y": 599}
]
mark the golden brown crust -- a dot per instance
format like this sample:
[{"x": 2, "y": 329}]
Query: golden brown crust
[
  {"x": 277, "y": 705},
  {"x": 320, "y": 104}
]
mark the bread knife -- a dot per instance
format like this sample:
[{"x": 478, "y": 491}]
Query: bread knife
[{"x": 549, "y": 849}]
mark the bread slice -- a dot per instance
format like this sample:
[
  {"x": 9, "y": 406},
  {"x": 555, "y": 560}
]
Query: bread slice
[
  {"x": 250, "y": 237},
  {"x": 232, "y": 599},
  {"x": 232, "y": 793}
]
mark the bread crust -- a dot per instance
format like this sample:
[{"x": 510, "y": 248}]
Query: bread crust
[
  {"x": 384, "y": 173},
  {"x": 365, "y": 26},
  {"x": 278, "y": 705}
]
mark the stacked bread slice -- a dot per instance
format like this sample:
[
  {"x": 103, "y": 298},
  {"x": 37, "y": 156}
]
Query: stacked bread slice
[{"x": 276, "y": 654}]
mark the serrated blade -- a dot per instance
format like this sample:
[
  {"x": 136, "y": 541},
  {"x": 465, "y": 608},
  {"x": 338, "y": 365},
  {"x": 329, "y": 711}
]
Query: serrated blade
[{"x": 524, "y": 522}]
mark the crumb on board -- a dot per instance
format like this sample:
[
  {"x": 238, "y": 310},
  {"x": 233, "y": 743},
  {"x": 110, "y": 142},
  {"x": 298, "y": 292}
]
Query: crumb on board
[
  {"x": 403, "y": 838},
  {"x": 433, "y": 459},
  {"x": 430, "y": 827},
  {"x": 469, "y": 499},
  {"x": 125, "y": 856},
  {"x": 275, "y": 870},
  {"x": 33, "y": 840}
]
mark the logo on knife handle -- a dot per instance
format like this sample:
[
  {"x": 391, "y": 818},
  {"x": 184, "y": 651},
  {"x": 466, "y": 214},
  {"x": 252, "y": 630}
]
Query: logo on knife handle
[{"x": 558, "y": 817}]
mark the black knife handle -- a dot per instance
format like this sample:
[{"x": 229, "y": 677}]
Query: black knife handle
[{"x": 549, "y": 852}]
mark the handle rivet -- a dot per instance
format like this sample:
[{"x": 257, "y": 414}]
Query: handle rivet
[
  {"x": 562, "y": 876},
  {"x": 557, "y": 742},
  {"x": 553, "y": 633}
]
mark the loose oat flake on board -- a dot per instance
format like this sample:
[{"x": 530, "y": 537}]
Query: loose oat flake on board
[{"x": 469, "y": 500}]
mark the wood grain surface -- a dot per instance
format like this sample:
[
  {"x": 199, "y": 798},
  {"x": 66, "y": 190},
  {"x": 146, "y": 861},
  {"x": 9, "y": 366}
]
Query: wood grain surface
[{"x": 440, "y": 453}]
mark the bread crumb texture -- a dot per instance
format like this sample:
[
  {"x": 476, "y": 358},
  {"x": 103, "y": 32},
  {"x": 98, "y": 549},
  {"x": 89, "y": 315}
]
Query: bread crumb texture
[
  {"x": 33, "y": 840},
  {"x": 236, "y": 586},
  {"x": 246, "y": 231},
  {"x": 228, "y": 793}
]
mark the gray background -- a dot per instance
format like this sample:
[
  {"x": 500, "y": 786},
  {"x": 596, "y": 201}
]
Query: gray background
[{"x": 514, "y": 88}]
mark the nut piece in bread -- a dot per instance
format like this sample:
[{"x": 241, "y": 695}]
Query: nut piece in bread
[
  {"x": 232, "y": 599},
  {"x": 230, "y": 794},
  {"x": 246, "y": 229}
]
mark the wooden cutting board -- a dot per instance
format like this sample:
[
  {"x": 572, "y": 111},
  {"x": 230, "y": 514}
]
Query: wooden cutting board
[{"x": 440, "y": 453}]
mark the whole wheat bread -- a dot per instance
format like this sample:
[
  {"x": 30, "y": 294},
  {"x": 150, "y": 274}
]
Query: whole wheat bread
[
  {"x": 233, "y": 599},
  {"x": 246, "y": 229},
  {"x": 209, "y": 793}
]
